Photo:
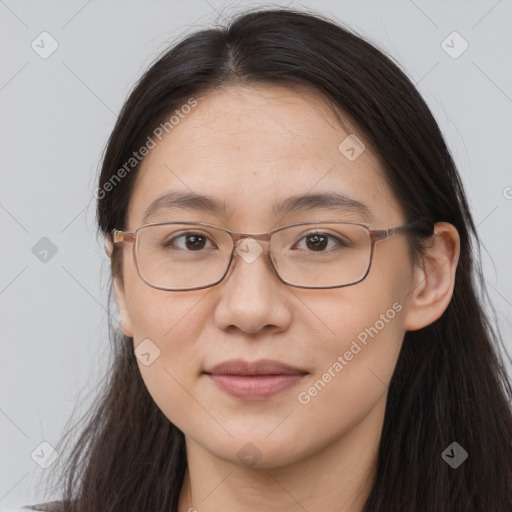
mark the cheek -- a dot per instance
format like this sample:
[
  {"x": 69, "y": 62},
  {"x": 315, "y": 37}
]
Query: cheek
[
  {"x": 362, "y": 348},
  {"x": 166, "y": 328},
  {"x": 353, "y": 372},
  {"x": 163, "y": 316},
  {"x": 364, "y": 329}
]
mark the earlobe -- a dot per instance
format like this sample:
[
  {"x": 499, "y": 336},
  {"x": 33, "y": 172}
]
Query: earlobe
[
  {"x": 435, "y": 278},
  {"x": 109, "y": 246},
  {"x": 124, "y": 317}
]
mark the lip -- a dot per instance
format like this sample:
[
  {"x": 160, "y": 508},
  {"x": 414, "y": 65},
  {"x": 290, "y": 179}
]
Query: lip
[{"x": 256, "y": 380}]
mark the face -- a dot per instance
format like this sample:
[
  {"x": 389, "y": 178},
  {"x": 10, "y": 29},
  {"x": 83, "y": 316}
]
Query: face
[{"x": 251, "y": 148}]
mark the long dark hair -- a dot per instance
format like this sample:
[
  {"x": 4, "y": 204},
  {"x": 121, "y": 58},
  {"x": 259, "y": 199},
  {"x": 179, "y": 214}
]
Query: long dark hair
[{"x": 449, "y": 383}]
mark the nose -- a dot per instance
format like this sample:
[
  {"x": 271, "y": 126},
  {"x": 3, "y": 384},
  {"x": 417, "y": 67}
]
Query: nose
[{"x": 252, "y": 295}]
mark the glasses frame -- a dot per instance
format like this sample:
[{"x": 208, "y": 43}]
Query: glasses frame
[{"x": 124, "y": 237}]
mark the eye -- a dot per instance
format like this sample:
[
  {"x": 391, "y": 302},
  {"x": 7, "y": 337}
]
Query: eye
[
  {"x": 317, "y": 242},
  {"x": 191, "y": 241}
]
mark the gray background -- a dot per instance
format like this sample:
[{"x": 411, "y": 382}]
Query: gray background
[{"x": 58, "y": 112}]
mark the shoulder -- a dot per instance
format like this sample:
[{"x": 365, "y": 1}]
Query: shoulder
[
  {"x": 24, "y": 508},
  {"x": 54, "y": 506}
]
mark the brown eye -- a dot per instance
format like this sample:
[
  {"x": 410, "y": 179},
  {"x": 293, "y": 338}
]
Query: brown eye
[
  {"x": 319, "y": 242},
  {"x": 190, "y": 242}
]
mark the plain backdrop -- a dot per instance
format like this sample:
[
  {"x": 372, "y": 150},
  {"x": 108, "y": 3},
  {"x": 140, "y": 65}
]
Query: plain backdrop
[{"x": 58, "y": 112}]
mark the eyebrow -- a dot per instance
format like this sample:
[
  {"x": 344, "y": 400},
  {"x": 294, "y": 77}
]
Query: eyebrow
[{"x": 331, "y": 201}]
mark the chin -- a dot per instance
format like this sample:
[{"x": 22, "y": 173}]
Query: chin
[{"x": 256, "y": 450}]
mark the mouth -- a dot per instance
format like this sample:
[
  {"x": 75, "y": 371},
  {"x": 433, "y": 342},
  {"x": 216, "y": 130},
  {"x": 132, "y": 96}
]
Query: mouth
[{"x": 257, "y": 380}]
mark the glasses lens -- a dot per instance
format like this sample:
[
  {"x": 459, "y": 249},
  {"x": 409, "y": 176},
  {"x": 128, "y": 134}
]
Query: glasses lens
[
  {"x": 322, "y": 255},
  {"x": 182, "y": 256}
]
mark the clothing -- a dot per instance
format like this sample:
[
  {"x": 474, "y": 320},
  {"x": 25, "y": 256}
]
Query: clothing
[{"x": 53, "y": 506}]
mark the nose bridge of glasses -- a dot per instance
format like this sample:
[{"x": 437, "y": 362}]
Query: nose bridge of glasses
[
  {"x": 250, "y": 252},
  {"x": 242, "y": 236},
  {"x": 239, "y": 239}
]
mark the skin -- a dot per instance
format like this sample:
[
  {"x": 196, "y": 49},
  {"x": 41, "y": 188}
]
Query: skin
[{"x": 253, "y": 146}]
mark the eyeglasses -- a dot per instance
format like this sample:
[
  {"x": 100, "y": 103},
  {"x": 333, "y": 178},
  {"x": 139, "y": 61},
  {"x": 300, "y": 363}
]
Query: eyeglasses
[{"x": 180, "y": 255}]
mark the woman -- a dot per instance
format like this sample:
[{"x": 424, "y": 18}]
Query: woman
[{"x": 326, "y": 361}]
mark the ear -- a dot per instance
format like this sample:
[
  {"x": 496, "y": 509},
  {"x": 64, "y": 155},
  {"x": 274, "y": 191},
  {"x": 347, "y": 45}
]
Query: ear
[
  {"x": 124, "y": 317},
  {"x": 435, "y": 278}
]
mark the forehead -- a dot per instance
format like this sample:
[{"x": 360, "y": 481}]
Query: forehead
[{"x": 251, "y": 148}]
